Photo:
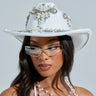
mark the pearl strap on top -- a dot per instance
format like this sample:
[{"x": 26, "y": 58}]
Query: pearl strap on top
[
  {"x": 35, "y": 90},
  {"x": 68, "y": 83},
  {"x": 72, "y": 89}
]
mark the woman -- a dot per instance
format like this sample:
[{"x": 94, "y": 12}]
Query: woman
[{"x": 47, "y": 54}]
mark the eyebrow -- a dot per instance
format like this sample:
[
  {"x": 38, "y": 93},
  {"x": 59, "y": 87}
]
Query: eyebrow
[
  {"x": 46, "y": 42},
  {"x": 51, "y": 40},
  {"x": 33, "y": 41}
]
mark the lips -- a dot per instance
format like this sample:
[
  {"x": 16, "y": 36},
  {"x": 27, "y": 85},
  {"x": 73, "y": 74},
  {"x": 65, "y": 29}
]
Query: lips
[{"x": 44, "y": 67}]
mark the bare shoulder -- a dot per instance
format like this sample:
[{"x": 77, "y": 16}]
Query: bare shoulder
[
  {"x": 9, "y": 92},
  {"x": 83, "y": 92}
]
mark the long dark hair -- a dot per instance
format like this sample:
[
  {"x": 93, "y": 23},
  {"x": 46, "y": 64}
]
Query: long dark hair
[{"x": 28, "y": 75}]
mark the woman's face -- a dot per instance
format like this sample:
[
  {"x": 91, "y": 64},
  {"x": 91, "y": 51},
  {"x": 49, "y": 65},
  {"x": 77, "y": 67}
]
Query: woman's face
[{"x": 44, "y": 64}]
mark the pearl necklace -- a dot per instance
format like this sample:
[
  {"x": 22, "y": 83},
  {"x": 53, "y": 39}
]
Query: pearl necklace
[
  {"x": 42, "y": 89},
  {"x": 46, "y": 91}
]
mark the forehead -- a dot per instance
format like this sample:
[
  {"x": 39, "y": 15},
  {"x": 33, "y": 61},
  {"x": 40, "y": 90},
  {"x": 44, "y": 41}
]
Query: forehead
[{"x": 43, "y": 40}]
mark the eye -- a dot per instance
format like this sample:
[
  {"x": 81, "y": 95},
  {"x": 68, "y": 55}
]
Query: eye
[
  {"x": 33, "y": 48},
  {"x": 53, "y": 47}
]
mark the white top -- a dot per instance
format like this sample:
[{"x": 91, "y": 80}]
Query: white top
[{"x": 68, "y": 83}]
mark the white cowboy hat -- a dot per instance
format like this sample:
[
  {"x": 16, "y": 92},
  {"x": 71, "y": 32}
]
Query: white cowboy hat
[{"x": 45, "y": 20}]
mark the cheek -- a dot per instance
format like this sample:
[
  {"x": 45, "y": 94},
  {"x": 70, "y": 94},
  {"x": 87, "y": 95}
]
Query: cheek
[
  {"x": 58, "y": 61},
  {"x": 58, "y": 58},
  {"x": 34, "y": 60}
]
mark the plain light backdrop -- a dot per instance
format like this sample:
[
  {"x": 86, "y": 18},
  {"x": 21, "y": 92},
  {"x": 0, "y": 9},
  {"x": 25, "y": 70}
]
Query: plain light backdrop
[{"x": 13, "y": 15}]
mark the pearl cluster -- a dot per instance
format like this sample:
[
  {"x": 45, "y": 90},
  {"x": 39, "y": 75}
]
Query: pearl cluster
[
  {"x": 68, "y": 20},
  {"x": 42, "y": 89},
  {"x": 46, "y": 91},
  {"x": 42, "y": 13},
  {"x": 41, "y": 17}
]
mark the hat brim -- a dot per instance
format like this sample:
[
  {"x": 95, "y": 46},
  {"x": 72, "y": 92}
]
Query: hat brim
[{"x": 80, "y": 36}]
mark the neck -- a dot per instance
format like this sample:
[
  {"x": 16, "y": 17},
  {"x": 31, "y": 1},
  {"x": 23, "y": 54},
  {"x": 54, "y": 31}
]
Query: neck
[{"x": 46, "y": 82}]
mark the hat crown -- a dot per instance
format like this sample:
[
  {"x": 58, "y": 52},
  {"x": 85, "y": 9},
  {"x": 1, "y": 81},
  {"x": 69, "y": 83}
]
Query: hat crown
[{"x": 46, "y": 16}]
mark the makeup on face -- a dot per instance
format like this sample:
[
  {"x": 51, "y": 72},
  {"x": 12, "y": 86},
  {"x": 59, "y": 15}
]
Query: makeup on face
[{"x": 45, "y": 65}]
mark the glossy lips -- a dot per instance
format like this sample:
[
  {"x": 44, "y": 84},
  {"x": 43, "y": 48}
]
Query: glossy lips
[{"x": 44, "y": 67}]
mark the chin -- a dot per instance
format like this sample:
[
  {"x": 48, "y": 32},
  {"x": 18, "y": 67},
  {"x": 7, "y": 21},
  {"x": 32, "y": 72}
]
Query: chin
[{"x": 47, "y": 74}]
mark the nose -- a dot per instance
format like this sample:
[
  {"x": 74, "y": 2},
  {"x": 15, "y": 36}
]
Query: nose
[{"x": 43, "y": 56}]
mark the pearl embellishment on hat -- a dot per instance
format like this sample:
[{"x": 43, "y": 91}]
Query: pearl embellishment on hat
[{"x": 42, "y": 12}]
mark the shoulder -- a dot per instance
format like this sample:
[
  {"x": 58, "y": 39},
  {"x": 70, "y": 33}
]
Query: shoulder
[
  {"x": 83, "y": 92},
  {"x": 9, "y": 92}
]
